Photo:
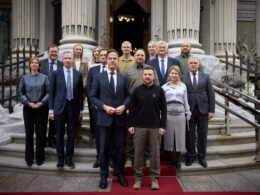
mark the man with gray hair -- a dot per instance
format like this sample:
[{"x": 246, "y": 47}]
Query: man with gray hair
[
  {"x": 162, "y": 62},
  {"x": 126, "y": 60}
]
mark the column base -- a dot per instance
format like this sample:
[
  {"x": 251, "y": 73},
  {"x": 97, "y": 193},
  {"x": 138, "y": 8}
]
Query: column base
[{"x": 175, "y": 47}]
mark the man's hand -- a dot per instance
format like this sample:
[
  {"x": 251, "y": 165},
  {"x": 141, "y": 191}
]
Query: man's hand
[
  {"x": 120, "y": 110},
  {"x": 131, "y": 130},
  {"x": 80, "y": 117},
  {"x": 210, "y": 115},
  {"x": 161, "y": 131},
  {"x": 38, "y": 105},
  {"x": 51, "y": 116},
  {"x": 32, "y": 105},
  {"x": 109, "y": 110}
]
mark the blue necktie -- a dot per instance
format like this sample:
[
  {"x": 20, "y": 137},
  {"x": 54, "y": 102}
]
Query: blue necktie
[
  {"x": 112, "y": 83},
  {"x": 69, "y": 88},
  {"x": 103, "y": 68},
  {"x": 51, "y": 68},
  {"x": 162, "y": 69}
]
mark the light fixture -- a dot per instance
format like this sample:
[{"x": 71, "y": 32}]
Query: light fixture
[{"x": 125, "y": 17}]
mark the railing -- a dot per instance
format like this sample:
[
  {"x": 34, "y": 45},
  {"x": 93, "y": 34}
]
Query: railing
[{"x": 13, "y": 67}]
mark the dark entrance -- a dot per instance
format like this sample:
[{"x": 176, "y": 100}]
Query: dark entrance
[{"x": 131, "y": 23}]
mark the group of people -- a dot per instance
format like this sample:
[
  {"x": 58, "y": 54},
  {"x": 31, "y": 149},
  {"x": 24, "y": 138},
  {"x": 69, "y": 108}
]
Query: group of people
[{"x": 156, "y": 104}]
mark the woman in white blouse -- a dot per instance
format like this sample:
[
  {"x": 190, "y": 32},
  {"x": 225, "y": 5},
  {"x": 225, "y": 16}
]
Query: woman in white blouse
[
  {"x": 81, "y": 65},
  {"x": 178, "y": 114}
]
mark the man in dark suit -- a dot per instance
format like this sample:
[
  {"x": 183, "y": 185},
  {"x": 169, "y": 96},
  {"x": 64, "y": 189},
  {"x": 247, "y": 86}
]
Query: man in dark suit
[
  {"x": 93, "y": 72},
  {"x": 162, "y": 62},
  {"x": 201, "y": 99},
  {"x": 110, "y": 94},
  {"x": 49, "y": 65},
  {"x": 66, "y": 105}
]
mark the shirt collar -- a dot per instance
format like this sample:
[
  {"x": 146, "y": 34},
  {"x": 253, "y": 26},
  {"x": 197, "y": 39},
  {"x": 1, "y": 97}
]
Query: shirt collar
[
  {"x": 55, "y": 62},
  {"x": 140, "y": 66},
  {"x": 185, "y": 56},
  {"x": 109, "y": 72},
  {"x": 197, "y": 72},
  {"x": 66, "y": 69},
  {"x": 160, "y": 59}
]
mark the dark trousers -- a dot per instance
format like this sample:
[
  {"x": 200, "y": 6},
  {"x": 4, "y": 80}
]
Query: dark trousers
[
  {"x": 94, "y": 118},
  {"x": 199, "y": 121},
  {"x": 69, "y": 118},
  {"x": 34, "y": 120},
  {"x": 115, "y": 135},
  {"x": 51, "y": 131}
]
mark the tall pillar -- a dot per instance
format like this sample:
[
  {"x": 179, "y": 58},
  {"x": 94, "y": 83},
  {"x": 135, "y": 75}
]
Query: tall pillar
[
  {"x": 103, "y": 23},
  {"x": 157, "y": 21},
  {"x": 183, "y": 22},
  {"x": 78, "y": 24},
  {"x": 25, "y": 24},
  {"x": 225, "y": 27}
]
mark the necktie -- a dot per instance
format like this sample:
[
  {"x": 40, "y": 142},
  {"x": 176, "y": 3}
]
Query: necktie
[
  {"x": 195, "y": 85},
  {"x": 112, "y": 83},
  {"x": 162, "y": 69},
  {"x": 103, "y": 68},
  {"x": 51, "y": 68},
  {"x": 69, "y": 88}
]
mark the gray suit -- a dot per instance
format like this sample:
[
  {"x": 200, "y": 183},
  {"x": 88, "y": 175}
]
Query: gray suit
[{"x": 201, "y": 101}]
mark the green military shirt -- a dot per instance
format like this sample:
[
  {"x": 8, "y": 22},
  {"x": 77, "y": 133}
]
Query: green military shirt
[{"x": 184, "y": 63}]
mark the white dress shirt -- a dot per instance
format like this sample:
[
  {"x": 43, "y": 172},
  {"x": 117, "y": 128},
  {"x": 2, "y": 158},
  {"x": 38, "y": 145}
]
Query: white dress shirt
[
  {"x": 65, "y": 70},
  {"x": 54, "y": 65},
  {"x": 101, "y": 68},
  {"x": 114, "y": 76},
  {"x": 196, "y": 76},
  {"x": 165, "y": 63}
]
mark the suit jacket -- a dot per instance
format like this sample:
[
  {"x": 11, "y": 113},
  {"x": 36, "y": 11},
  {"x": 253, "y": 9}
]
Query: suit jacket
[
  {"x": 45, "y": 66},
  {"x": 83, "y": 68},
  {"x": 58, "y": 92},
  {"x": 204, "y": 94},
  {"x": 101, "y": 94},
  {"x": 91, "y": 75},
  {"x": 155, "y": 63}
]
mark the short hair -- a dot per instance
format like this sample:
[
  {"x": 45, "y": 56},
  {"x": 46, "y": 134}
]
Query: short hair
[
  {"x": 67, "y": 52},
  {"x": 126, "y": 42},
  {"x": 149, "y": 68},
  {"x": 175, "y": 67},
  {"x": 186, "y": 42},
  {"x": 140, "y": 49},
  {"x": 112, "y": 51},
  {"x": 103, "y": 49},
  {"x": 162, "y": 42},
  {"x": 39, "y": 62},
  {"x": 51, "y": 46},
  {"x": 194, "y": 57}
]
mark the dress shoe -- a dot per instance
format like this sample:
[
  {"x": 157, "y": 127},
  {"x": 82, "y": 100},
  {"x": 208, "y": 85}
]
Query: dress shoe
[
  {"x": 189, "y": 162},
  {"x": 171, "y": 164},
  {"x": 128, "y": 163},
  {"x": 122, "y": 181},
  {"x": 203, "y": 163},
  {"x": 137, "y": 185},
  {"x": 70, "y": 164},
  {"x": 60, "y": 164},
  {"x": 103, "y": 182},
  {"x": 39, "y": 163},
  {"x": 178, "y": 165},
  {"x": 96, "y": 164},
  {"x": 112, "y": 164},
  {"x": 155, "y": 185},
  {"x": 29, "y": 163}
]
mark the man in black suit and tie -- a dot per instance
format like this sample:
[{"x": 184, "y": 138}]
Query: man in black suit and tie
[
  {"x": 66, "y": 105},
  {"x": 49, "y": 65},
  {"x": 93, "y": 72},
  {"x": 201, "y": 98},
  {"x": 110, "y": 94},
  {"x": 162, "y": 62}
]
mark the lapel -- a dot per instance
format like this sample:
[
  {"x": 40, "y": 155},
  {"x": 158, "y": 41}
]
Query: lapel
[
  {"x": 168, "y": 65},
  {"x": 189, "y": 80},
  {"x": 63, "y": 78},
  {"x": 47, "y": 68},
  {"x": 200, "y": 79},
  {"x": 157, "y": 68},
  {"x": 106, "y": 80},
  {"x": 74, "y": 79},
  {"x": 119, "y": 80}
]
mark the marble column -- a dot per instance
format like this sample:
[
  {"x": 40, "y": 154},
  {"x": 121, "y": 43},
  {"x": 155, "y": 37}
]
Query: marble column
[
  {"x": 225, "y": 26},
  {"x": 157, "y": 21},
  {"x": 25, "y": 24},
  {"x": 183, "y": 23},
  {"x": 78, "y": 24},
  {"x": 103, "y": 23}
]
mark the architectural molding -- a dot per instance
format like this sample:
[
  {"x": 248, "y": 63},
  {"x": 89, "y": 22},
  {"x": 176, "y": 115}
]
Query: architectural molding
[{"x": 246, "y": 15}]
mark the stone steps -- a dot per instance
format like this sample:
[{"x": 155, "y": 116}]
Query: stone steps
[{"x": 234, "y": 128}]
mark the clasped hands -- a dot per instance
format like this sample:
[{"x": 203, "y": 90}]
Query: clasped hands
[
  {"x": 35, "y": 105},
  {"x": 110, "y": 110},
  {"x": 131, "y": 130}
]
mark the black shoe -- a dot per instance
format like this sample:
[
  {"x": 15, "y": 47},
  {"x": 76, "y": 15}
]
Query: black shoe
[
  {"x": 203, "y": 163},
  {"x": 112, "y": 164},
  {"x": 70, "y": 164},
  {"x": 103, "y": 182},
  {"x": 171, "y": 164},
  {"x": 96, "y": 164},
  {"x": 122, "y": 181},
  {"x": 178, "y": 165},
  {"x": 189, "y": 162},
  {"x": 39, "y": 163},
  {"x": 60, "y": 164},
  {"x": 29, "y": 163}
]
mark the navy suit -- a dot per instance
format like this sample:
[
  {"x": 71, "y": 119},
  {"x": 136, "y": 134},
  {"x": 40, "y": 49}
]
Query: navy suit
[
  {"x": 155, "y": 63},
  {"x": 201, "y": 101},
  {"x": 65, "y": 111},
  {"x": 46, "y": 71},
  {"x": 111, "y": 127}
]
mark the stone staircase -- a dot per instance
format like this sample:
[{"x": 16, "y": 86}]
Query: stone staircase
[{"x": 224, "y": 153}]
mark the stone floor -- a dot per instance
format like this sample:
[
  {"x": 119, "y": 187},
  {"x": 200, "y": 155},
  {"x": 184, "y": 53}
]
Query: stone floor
[{"x": 11, "y": 181}]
